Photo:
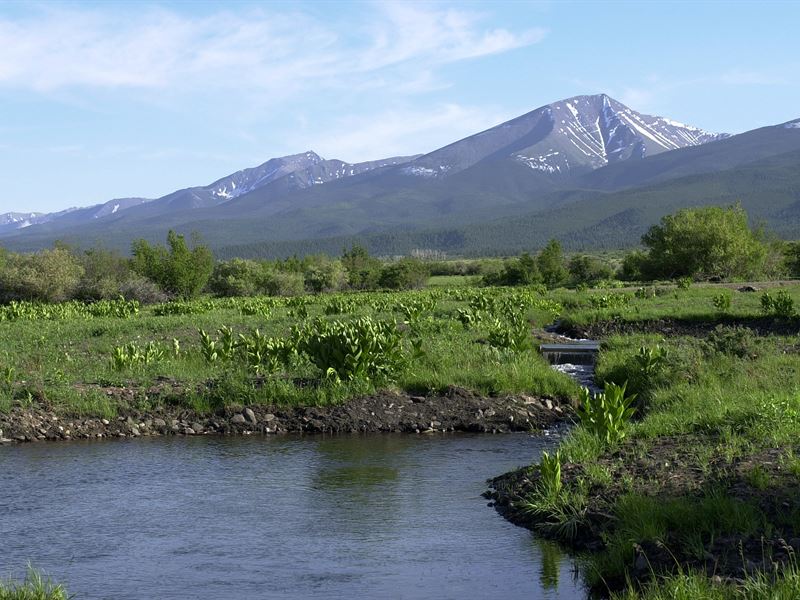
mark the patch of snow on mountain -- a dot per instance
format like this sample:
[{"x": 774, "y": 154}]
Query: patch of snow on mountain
[
  {"x": 792, "y": 125},
  {"x": 553, "y": 162}
]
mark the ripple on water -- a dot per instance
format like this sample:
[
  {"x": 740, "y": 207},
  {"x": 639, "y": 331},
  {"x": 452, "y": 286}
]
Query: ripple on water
[{"x": 382, "y": 516}]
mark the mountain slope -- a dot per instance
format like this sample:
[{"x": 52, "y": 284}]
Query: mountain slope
[
  {"x": 510, "y": 171},
  {"x": 563, "y": 138}
]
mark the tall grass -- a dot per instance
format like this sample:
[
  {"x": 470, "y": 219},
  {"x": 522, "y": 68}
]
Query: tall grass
[{"x": 36, "y": 586}]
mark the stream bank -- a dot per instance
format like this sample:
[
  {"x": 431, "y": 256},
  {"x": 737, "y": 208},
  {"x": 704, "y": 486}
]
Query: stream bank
[{"x": 455, "y": 410}]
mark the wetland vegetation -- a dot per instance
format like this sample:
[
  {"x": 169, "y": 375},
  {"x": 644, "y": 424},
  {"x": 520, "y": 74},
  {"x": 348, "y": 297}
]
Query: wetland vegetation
[{"x": 680, "y": 479}]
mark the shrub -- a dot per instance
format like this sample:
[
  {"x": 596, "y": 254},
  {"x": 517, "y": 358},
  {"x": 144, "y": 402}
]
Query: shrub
[
  {"x": 512, "y": 334},
  {"x": 324, "y": 275},
  {"x": 737, "y": 341},
  {"x": 363, "y": 271},
  {"x": 349, "y": 350},
  {"x": 177, "y": 269},
  {"x": 632, "y": 266},
  {"x": 704, "y": 242},
  {"x": 606, "y": 415},
  {"x": 282, "y": 283},
  {"x": 46, "y": 276},
  {"x": 588, "y": 270},
  {"x": 142, "y": 290},
  {"x": 722, "y": 301},
  {"x": 405, "y": 274},
  {"x": 780, "y": 305},
  {"x": 237, "y": 277},
  {"x": 551, "y": 264},
  {"x": 521, "y": 271}
]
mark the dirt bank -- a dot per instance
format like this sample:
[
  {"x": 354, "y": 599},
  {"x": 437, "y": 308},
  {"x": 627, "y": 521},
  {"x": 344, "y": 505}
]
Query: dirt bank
[
  {"x": 456, "y": 410},
  {"x": 676, "y": 327},
  {"x": 666, "y": 471}
]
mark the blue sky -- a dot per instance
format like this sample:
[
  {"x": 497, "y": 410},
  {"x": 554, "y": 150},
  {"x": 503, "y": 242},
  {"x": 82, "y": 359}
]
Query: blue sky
[{"x": 108, "y": 100}]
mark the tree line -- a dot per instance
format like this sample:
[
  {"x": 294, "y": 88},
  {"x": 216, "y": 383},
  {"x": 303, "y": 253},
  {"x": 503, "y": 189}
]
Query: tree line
[{"x": 707, "y": 243}]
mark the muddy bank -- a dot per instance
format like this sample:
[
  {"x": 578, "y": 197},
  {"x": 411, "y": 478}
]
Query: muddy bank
[
  {"x": 667, "y": 470},
  {"x": 456, "y": 410},
  {"x": 678, "y": 327}
]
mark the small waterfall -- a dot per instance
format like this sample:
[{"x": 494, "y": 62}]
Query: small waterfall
[{"x": 576, "y": 358}]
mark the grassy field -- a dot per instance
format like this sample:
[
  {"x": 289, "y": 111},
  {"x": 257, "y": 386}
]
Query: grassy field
[
  {"x": 704, "y": 478},
  {"x": 65, "y": 359}
]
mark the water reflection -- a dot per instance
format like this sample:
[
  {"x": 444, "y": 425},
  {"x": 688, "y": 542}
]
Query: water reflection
[{"x": 387, "y": 516}]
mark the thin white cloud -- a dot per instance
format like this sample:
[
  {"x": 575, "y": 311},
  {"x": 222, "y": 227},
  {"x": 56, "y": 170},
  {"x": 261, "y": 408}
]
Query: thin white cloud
[
  {"x": 400, "y": 132},
  {"x": 234, "y": 51}
]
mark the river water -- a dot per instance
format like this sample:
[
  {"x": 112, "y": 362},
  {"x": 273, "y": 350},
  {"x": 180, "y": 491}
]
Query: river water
[{"x": 383, "y": 516}]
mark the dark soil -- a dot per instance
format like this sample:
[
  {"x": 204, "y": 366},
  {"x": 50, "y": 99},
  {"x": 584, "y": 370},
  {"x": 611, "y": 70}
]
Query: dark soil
[
  {"x": 667, "y": 468},
  {"x": 456, "y": 410}
]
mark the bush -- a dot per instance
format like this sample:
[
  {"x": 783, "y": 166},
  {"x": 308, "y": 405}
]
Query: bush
[
  {"x": 177, "y": 269},
  {"x": 791, "y": 255},
  {"x": 551, "y": 264},
  {"x": 606, "y": 415},
  {"x": 520, "y": 271},
  {"x": 238, "y": 277},
  {"x": 722, "y": 302},
  {"x": 704, "y": 243},
  {"x": 363, "y": 271},
  {"x": 104, "y": 273},
  {"x": 281, "y": 283},
  {"x": 737, "y": 341},
  {"x": 405, "y": 274},
  {"x": 780, "y": 305},
  {"x": 349, "y": 350},
  {"x": 324, "y": 275},
  {"x": 632, "y": 266},
  {"x": 46, "y": 276},
  {"x": 588, "y": 270},
  {"x": 142, "y": 290}
]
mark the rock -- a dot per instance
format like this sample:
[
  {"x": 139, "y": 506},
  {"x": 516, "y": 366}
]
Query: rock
[
  {"x": 641, "y": 563},
  {"x": 548, "y": 404},
  {"x": 269, "y": 417},
  {"x": 188, "y": 431},
  {"x": 238, "y": 419},
  {"x": 198, "y": 427},
  {"x": 159, "y": 423},
  {"x": 250, "y": 416},
  {"x": 105, "y": 421},
  {"x": 134, "y": 431},
  {"x": 748, "y": 288}
]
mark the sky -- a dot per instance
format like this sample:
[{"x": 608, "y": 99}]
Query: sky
[{"x": 103, "y": 100}]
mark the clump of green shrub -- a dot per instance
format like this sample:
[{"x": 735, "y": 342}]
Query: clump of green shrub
[
  {"x": 779, "y": 305},
  {"x": 607, "y": 413},
  {"x": 132, "y": 355},
  {"x": 362, "y": 349},
  {"x": 738, "y": 341},
  {"x": 722, "y": 302},
  {"x": 513, "y": 333}
]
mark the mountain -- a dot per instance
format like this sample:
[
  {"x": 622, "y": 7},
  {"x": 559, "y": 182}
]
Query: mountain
[
  {"x": 288, "y": 173},
  {"x": 606, "y": 166},
  {"x": 563, "y": 138},
  {"x": 14, "y": 220}
]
